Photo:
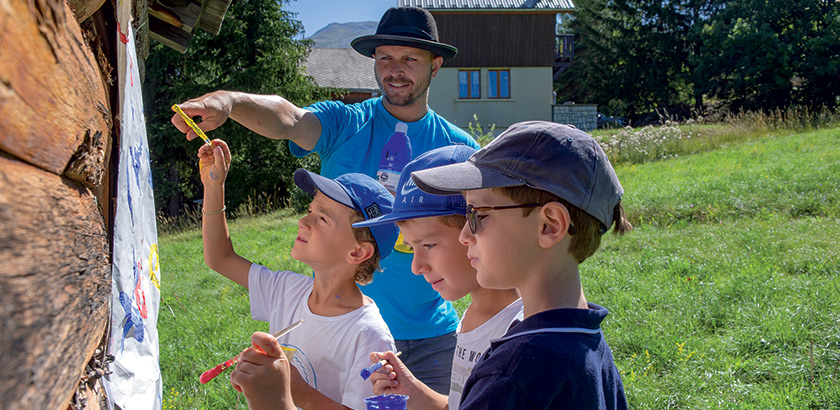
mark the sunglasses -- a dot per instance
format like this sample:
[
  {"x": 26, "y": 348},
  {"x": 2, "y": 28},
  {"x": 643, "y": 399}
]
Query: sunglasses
[{"x": 472, "y": 214}]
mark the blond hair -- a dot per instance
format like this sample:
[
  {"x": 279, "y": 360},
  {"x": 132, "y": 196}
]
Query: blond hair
[{"x": 452, "y": 221}]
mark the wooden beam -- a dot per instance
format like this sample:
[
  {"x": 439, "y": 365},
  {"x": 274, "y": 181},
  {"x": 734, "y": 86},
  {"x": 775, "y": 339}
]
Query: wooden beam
[
  {"x": 52, "y": 101},
  {"x": 169, "y": 35},
  {"x": 55, "y": 282},
  {"x": 213, "y": 15}
]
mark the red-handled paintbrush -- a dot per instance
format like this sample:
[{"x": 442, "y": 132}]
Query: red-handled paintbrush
[{"x": 210, "y": 374}]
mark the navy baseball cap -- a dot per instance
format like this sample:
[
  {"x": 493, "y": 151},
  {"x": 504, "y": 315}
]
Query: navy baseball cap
[
  {"x": 412, "y": 203},
  {"x": 543, "y": 155},
  {"x": 359, "y": 192}
]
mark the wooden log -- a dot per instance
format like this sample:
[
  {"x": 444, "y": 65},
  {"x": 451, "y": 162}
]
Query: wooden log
[
  {"x": 55, "y": 281},
  {"x": 83, "y": 9},
  {"x": 53, "y": 109}
]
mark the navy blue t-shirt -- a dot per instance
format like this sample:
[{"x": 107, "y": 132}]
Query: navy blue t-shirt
[{"x": 557, "y": 359}]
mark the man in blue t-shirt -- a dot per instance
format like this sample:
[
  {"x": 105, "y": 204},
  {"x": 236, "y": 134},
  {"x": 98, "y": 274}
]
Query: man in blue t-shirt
[{"x": 357, "y": 138}]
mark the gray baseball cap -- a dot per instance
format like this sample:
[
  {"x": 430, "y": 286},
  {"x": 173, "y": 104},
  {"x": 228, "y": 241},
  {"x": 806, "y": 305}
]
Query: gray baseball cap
[{"x": 543, "y": 155}]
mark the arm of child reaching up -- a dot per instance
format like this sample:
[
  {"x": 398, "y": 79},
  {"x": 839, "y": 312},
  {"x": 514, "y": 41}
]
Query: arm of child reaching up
[
  {"x": 395, "y": 378},
  {"x": 218, "y": 249},
  {"x": 263, "y": 374}
]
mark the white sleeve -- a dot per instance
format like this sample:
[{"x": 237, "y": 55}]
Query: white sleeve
[{"x": 266, "y": 289}]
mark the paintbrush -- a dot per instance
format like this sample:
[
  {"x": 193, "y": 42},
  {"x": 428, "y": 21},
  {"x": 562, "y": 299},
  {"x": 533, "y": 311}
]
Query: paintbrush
[
  {"x": 366, "y": 372},
  {"x": 192, "y": 124},
  {"x": 210, "y": 374}
]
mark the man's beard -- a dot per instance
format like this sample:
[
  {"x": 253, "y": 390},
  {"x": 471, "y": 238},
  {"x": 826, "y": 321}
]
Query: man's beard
[{"x": 409, "y": 98}]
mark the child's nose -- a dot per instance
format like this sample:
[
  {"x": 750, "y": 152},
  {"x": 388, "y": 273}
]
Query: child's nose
[
  {"x": 466, "y": 237},
  {"x": 419, "y": 265}
]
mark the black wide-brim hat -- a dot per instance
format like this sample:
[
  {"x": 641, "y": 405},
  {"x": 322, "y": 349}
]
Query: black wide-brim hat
[{"x": 405, "y": 26}]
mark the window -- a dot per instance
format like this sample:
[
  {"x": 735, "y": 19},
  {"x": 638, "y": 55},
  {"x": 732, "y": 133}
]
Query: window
[
  {"x": 499, "y": 83},
  {"x": 469, "y": 84}
]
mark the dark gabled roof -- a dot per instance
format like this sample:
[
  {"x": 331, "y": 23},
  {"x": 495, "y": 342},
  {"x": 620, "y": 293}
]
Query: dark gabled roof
[
  {"x": 341, "y": 68},
  {"x": 481, "y": 5}
]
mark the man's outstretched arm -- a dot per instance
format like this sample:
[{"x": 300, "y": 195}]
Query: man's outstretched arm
[{"x": 271, "y": 116}]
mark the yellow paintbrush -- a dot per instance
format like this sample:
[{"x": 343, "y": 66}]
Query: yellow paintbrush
[{"x": 192, "y": 124}]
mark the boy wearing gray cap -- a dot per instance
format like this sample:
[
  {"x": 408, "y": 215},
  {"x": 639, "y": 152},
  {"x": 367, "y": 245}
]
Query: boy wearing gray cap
[{"x": 539, "y": 198}]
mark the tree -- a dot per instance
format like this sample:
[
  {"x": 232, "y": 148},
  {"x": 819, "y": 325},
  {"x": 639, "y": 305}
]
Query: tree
[
  {"x": 633, "y": 56},
  {"x": 258, "y": 50},
  {"x": 629, "y": 55},
  {"x": 818, "y": 70},
  {"x": 745, "y": 59}
]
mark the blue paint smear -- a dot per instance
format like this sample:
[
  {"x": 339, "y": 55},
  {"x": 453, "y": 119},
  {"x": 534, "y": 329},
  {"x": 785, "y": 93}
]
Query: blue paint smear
[
  {"x": 128, "y": 192},
  {"x": 132, "y": 314},
  {"x": 131, "y": 319},
  {"x": 135, "y": 155}
]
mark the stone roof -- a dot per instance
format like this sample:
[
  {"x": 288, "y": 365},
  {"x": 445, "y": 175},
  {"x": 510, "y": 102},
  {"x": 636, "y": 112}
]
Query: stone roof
[{"x": 341, "y": 68}]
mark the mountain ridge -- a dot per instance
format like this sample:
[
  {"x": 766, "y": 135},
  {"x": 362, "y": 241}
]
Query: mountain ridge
[{"x": 339, "y": 35}]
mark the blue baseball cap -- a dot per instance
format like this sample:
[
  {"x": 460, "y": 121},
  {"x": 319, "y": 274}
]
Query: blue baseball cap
[
  {"x": 359, "y": 192},
  {"x": 543, "y": 155},
  {"x": 412, "y": 203}
]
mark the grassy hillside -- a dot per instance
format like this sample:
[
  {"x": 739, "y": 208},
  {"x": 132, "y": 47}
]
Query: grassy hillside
[{"x": 726, "y": 295}]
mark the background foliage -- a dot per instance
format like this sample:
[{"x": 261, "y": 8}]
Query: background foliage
[
  {"x": 637, "y": 56},
  {"x": 259, "y": 50}
]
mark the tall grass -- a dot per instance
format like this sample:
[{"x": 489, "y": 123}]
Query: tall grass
[{"x": 672, "y": 139}]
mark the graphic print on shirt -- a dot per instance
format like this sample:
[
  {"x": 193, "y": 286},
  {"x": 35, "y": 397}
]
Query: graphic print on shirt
[
  {"x": 461, "y": 372},
  {"x": 298, "y": 359}
]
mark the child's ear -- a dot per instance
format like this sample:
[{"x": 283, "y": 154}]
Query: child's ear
[
  {"x": 362, "y": 252},
  {"x": 554, "y": 224}
]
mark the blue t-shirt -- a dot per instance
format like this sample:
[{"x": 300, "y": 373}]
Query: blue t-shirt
[
  {"x": 352, "y": 139},
  {"x": 581, "y": 374}
]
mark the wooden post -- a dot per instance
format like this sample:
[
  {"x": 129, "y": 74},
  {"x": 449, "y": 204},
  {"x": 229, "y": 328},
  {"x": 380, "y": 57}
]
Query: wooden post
[{"x": 55, "y": 136}]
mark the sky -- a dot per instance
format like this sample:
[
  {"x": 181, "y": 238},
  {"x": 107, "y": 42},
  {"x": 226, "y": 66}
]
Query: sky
[{"x": 317, "y": 14}]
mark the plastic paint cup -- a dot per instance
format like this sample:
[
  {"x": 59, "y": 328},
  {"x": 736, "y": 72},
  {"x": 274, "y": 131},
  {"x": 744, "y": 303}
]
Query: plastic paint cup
[{"x": 387, "y": 402}]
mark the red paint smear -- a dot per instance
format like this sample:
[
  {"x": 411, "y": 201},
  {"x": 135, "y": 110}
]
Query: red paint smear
[
  {"x": 140, "y": 298},
  {"x": 131, "y": 72},
  {"x": 123, "y": 37}
]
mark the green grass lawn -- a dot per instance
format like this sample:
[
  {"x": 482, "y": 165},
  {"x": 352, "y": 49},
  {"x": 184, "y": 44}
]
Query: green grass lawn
[{"x": 726, "y": 295}]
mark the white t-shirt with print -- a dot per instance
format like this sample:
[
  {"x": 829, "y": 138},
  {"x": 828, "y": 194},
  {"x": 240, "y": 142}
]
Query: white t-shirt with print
[
  {"x": 330, "y": 350},
  {"x": 471, "y": 345}
]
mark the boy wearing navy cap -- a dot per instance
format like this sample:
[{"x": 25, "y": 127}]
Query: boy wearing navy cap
[
  {"x": 430, "y": 224},
  {"x": 341, "y": 326},
  {"x": 539, "y": 198}
]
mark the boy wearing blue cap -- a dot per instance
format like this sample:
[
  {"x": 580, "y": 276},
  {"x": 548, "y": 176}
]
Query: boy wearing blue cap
[
  {"x": 430, "y": 224},
  {"x": 407, "y": 54},
  {"x": 539, "y": 198},
  {"x": 341, "y": 326}
]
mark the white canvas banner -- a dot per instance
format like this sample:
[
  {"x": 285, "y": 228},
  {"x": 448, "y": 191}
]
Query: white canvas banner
[{"x": 136, "y": 381}]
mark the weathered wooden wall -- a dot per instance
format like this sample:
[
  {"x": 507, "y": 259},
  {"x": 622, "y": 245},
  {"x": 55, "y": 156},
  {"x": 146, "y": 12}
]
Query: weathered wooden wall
[{"x": 55, "y": 136}]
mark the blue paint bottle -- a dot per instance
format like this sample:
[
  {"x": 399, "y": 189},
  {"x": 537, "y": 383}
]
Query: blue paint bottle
[{"x": 396, "y": 154}]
